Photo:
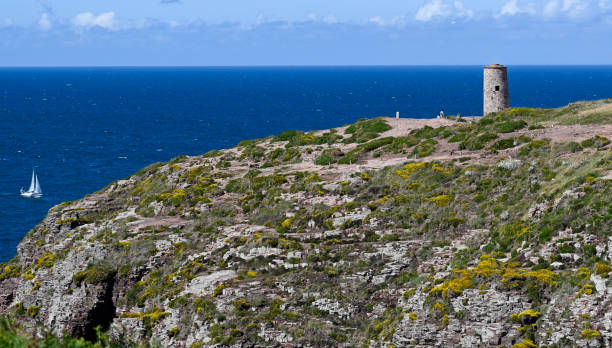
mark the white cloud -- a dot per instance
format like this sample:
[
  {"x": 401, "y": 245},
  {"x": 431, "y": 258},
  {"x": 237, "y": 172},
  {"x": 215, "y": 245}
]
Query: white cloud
[
  {"x": 513, "y": 7},
  {"x": 442, "y": 9},
  {"x": 377, "y": 20},
  {"x": 329, "y": 19},
  {"x": 461, "y": 11},
  {"x": 44, "y": 23},
  {"x": 397, "y": 21},
  {"x": 572, "y": 4},
  {"x": 551, "y": 8},
  {"x": 574, "y": 8},
  {"x": 510, "y": 8},
  {"x": 434, "y": 8},
  {"x": 89, "y": 20}
]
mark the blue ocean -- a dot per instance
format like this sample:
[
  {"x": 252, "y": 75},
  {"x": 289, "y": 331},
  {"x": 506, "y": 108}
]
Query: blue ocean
[{"x": 85, "y": 127}]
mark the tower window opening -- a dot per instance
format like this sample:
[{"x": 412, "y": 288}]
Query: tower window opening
[{"x": 496, "y": 88}]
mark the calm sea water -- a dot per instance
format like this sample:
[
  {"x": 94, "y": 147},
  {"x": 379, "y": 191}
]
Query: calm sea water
[{"x": 85, "y": 127}]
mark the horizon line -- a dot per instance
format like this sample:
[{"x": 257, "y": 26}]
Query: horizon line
[{"x": 294, "y": 66}]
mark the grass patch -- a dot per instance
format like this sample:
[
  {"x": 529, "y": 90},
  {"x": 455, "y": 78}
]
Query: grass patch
[
  {"x": 596, "y": 142},
  {"x": 425, "y": 148},
  {"x": 365, "y": 129}
]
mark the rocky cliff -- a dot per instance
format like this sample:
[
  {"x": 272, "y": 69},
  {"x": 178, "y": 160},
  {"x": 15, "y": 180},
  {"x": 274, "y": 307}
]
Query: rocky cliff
[{"x": 493, "y": 231}]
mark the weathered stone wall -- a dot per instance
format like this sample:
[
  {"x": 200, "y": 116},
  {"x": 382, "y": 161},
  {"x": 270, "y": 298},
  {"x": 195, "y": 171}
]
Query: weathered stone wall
[{"x": 496, "y": 96}]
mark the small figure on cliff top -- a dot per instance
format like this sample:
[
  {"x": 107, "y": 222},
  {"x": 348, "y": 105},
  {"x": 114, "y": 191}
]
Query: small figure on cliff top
[{"x": 441, "y": 114}]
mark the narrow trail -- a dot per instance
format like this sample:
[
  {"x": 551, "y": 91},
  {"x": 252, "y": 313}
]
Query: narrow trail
[{"x": 446, "y": 151}]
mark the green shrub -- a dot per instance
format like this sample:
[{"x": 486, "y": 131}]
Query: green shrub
[
  {"x": 566, "y": 147},
  {"x": 477, "y": 143},
  {"x": 602, "y": 269},
  {"x": 546, "y": 234},
  {"x": 503, "y": 144},
  {"x": 485, "y": 121},
  {"x": 9, "y": 271},
  {"x": 325, "y": 159},
  {"x": 334, "y": 156},
  {"x": 286, "y": 135},
  {"x": 596, "y": 142},
  {"x": 93, "y": 274},
  {"x": 241, "y": 305},
  {"x": 46, "y": 260},
  {"x": 530, "y": 112},
  {"x": 400, "y": 143},
  {"x": 376, "y": 125},
  {"x": 375, "y": 144},
  {"x": 349, "y": 158},
  {"x": 247, "y": 143},
  {"x": 427, "y": 132},
  {"x": 509, "y": 126},
  {"x": 566, "y": 248},
  {"x": 239, "y": 185},
  {"x": 425, "y": 148},
  {"x": 458, "y": 137},
  {"x": 534, "y": 145},
  {"x": 366, "y": 129},
  {"x": 327, "y": 138},
  {"x": 338, "y": 336},
  {"x": 212, "y": 153},
  {"x": 204, "y": 306}
]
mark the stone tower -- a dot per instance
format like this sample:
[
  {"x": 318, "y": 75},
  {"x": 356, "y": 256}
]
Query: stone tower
[{"x": 496, "y": 96}]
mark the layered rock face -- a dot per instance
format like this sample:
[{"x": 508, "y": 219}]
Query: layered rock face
[{"x": 485, "y": 232}]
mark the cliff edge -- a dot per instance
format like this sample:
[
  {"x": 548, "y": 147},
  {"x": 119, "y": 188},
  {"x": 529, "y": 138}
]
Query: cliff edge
[{"x": 387, "y": 232}]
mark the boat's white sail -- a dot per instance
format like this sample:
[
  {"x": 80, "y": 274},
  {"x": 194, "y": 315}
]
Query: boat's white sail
[
  {"x": 32, "y": 183},
  {"x": 37, "y": 190}
]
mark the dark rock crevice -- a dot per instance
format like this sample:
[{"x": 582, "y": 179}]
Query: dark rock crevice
[
  {"x": 7, "y": 293},
  {"x": 5, "y": 300},
  {"x": 102, "y": 313}
]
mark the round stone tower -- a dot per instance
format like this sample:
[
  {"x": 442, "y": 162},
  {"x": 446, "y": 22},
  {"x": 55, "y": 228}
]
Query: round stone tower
[{"x": 496, "y": 96}]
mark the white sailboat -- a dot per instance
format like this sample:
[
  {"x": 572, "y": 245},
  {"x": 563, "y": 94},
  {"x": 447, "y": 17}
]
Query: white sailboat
[{"x": 34, "y": 191}]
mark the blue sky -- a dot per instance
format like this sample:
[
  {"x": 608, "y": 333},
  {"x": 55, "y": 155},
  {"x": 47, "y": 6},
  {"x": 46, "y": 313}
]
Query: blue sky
[{"x": 298, "y": 32}]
